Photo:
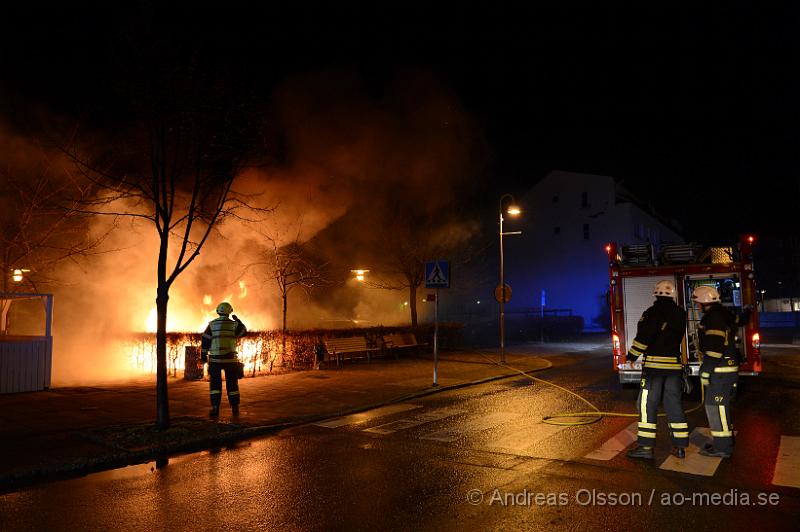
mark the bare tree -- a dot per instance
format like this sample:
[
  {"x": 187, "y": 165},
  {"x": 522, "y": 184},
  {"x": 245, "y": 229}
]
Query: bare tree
[
  {"x": 406, "y": 244},
  {"x": 291, "y": 264},
  {"x": 188, "y": 136},
  {"x": 37, "y": 231}
]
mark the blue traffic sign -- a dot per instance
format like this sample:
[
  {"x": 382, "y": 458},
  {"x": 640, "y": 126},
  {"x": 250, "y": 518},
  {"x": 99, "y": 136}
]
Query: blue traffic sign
[{"x": 437, "y": 274}]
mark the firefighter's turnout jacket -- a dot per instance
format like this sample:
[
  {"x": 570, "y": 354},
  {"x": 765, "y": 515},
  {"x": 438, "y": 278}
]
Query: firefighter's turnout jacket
[
  {"x": 219, "y": 340},
  {"x": 659, "y": 336},
  {"x": 717, "y": 335}
]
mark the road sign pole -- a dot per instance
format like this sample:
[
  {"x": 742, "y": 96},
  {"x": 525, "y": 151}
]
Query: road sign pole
[{"x": 435, "y": 336}]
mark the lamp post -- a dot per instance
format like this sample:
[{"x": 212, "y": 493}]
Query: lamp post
[{"x": 513, "y": 210}]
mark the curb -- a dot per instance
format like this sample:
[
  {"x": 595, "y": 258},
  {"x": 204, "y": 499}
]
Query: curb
[{"x": 84, "y": 466}]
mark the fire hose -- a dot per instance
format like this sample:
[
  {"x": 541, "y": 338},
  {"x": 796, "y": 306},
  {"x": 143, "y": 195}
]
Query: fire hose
[{"x": 590, "y": 417}]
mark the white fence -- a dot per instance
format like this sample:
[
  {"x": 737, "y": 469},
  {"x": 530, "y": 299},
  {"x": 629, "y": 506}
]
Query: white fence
[{"x": 26, "y": 361}]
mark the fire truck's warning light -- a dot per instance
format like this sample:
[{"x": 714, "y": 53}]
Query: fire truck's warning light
[
  {"x": 751, "y": 239},
  {"x": 608, "y": 248},
  {"x": 756, "y": 341}
]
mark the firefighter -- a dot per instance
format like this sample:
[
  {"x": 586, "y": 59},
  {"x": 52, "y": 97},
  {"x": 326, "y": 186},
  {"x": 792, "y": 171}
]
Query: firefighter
[
  {"x": 218, "y": 347},
  {"x": 719, "y": 371},
  {"x": 658, "y": 338}
]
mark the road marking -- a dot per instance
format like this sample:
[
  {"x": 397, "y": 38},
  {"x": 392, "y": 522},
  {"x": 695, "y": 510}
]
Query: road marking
[
  {"x": 407, "y": 423},
  {"x": 616, "y": 444},
  {"x": 694, "y": 463},
  {"x": 363, "y": 417},
  {"x": 522, "y": 442},
  {"x": 475, "y": 425},
  {"x": 787, "y": 470},
  {"x": 423, "y": 382}
]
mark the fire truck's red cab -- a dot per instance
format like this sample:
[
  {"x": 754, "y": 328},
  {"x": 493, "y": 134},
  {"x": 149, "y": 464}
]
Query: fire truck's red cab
[{"x": 634, "y": 271}]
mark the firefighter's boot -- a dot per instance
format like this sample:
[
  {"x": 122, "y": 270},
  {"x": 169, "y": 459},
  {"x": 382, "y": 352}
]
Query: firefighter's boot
[
  {"x": 640, "y": 452},
  {"x": 235, "y": 410},
  {"x": 679, "y": 452},
  {"x": 214, "y": 412}
]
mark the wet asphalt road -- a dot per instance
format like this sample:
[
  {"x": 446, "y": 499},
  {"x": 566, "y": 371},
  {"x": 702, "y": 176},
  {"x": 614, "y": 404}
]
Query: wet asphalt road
[{"x": 477, "y": 457}]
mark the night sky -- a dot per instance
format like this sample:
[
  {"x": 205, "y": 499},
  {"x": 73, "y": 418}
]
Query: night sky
[{"x": 694, "y": 109}]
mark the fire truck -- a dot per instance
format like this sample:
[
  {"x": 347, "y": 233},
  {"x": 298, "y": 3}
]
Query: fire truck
[{"x": 635, "y": 269}]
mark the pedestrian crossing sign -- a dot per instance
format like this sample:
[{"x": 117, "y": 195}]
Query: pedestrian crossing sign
[{"x": 437, "y": 274}]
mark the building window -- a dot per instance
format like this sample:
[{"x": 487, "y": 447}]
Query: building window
[
  {"x": 556, "y": 230},
  {"x": 586, "y": 231},
  {"x": 584, "y": 199}
]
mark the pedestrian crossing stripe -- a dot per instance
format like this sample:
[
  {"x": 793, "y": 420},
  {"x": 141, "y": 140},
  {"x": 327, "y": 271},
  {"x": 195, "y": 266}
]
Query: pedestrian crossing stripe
[
  {"x": 407, "y": 423},
  {"x": 694, "y": 463},
  {"x": 787, "y": 468},
  {"x": 619, "y": 442},
  {"x": 484, "y": 422},
  {"x": 369, "y": 415}
]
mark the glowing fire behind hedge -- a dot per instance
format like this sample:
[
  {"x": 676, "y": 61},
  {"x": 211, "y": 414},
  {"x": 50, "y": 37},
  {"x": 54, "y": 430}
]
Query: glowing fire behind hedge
[{"x": 260, "y": 351}]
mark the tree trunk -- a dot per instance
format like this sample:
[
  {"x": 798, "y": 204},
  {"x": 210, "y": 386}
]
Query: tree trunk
[
  {"x": 412, "y": 303},
  {"x": 283, "y": 349},
  {"x": 162, "y": 298}
]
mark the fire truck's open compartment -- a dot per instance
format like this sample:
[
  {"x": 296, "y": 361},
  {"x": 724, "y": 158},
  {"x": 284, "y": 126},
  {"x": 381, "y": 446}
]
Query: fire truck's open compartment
[{"x": 730, "y": 293}]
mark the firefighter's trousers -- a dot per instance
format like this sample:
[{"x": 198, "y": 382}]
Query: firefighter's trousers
[
  {"x": 718, "y": 409},
  {"x": 231, "y": 382},
  {"x": 654, "y": 388}
]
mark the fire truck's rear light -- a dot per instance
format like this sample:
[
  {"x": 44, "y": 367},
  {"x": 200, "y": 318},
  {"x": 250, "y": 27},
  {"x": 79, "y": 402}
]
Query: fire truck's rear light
[
  {"x": 756, "y": 341},
  {"x": 615, "y": 344}
]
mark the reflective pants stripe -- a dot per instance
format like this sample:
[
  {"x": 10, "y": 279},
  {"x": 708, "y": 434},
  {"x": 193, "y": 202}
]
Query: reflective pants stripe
[
  {"x": 215, "y": 392},
  {"x": 643, "y": 405}
]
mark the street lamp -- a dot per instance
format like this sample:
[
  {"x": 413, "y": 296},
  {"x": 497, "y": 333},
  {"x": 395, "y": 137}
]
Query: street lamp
[
  {"x": 513, "y": 210},
  {"x": 360, "y": 274}
]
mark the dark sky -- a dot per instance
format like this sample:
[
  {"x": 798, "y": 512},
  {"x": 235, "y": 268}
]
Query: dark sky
[{"x": 695, "y": 109}]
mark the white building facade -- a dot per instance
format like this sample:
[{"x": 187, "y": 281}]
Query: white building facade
[{"x": 568, "y": 218}]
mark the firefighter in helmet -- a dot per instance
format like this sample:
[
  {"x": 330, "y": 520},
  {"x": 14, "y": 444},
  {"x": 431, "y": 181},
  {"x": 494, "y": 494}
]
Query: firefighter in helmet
[
  {"x": 218, "y": 347},
  {"x": 719, "y": 371},
  {"x": 658, "y": 339}
]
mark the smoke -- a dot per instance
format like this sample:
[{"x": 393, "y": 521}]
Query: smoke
[{"x": 343, "y": 162}]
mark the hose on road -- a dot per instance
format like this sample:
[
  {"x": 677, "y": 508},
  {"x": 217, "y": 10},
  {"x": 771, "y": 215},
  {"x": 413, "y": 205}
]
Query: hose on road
[{"x": 588, "y": 417}]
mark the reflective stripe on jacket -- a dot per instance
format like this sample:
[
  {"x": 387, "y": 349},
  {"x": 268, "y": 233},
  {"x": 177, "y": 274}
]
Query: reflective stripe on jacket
[
  {"x": 659, "y": 335},
  {"x": 220, "y": 337}
]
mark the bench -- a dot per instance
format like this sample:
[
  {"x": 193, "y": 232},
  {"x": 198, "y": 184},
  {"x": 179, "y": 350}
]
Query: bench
[
  {"x": 396, "y": 341},
  {"x": 337, "y": 347}
]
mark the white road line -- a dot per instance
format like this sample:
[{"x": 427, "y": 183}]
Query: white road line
[
  {"x": 694, "y": 463},
  {"x": 474, "y": 425},
  {"x": 616, "y": 444},
  {"x": 522, "y": 442},
  {"x": 366, "y": 416},
  {"x": 787, "y": 470},
  {"x": 407, "y": 423}
]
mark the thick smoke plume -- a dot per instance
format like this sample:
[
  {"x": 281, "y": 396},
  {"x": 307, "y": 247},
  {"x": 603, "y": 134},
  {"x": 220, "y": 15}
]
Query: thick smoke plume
[{"x": 342, "y": 163}]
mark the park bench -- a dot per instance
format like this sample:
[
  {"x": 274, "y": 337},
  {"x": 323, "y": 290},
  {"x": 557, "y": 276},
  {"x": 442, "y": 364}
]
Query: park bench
[
  {"x": 397, "y": 341},
  {"x": 351, "y": 345}
]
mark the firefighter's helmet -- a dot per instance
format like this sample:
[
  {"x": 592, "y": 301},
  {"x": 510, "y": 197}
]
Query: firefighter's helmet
[
  {"x": 665, "y": 288},
  {"x": 224, "y": 309},
  {"x": 705, "y": 295}
]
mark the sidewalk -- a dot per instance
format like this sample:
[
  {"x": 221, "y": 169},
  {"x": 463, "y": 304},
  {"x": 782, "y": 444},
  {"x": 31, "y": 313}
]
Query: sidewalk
[{"x": 76, "y": 430}]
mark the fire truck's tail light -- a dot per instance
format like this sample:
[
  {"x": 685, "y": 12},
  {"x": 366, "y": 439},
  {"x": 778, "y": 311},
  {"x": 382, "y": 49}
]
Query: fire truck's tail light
[
  {"x": 756, "y": 341},
  {"x": 615, "y": 344}
]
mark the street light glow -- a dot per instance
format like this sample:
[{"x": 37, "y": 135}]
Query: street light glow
[
  {"x": 360, "y": 275},
  {"x": 18, "y": 275},
  {"x": 514, "y": 210}
]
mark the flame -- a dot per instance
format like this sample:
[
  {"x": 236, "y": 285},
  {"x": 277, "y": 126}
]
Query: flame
[
  {"x": 207, "y": 299},
  {"x": 242, "y": 290}
]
